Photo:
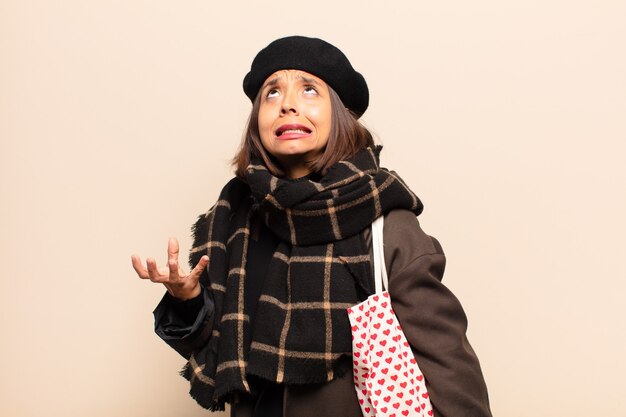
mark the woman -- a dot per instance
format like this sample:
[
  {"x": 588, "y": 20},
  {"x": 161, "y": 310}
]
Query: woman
[{"x": 262, "y": 317}]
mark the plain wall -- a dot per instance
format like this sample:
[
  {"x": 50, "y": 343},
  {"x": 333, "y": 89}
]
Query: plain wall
[{"x": 118, "y": 120}]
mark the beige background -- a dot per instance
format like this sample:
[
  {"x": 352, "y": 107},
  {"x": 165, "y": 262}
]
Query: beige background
[{"x": 118, "y": 119}]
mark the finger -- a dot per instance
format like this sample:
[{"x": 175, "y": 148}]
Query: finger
[
  {"x": 199, "y": 268},
  {"x": 172, "y": 249},
  {"x": 138, "y": 267},
  {"x": 172, "y": 264},
  {"x": 154, "y": 274}
]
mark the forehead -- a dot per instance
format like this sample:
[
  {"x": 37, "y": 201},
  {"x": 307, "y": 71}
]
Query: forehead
[{"x": 292, "y": 75}]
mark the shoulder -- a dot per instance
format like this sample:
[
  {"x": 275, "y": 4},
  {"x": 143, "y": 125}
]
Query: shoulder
[{"x": 405, "y": 241}]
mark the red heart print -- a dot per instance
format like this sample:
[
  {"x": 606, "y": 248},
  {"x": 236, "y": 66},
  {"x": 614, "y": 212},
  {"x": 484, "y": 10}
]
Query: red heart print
[
  {"x": 356, "y": 363},
  {"x": 367, "y": 409},
  {"x": 420, "y": 377},
  {"x": 374, "y": 336},
  {"x": 406, "y": 344},
  {"x": 384, "y": 371},
  {"x": 386, "y": 294},
  {"x": 388, "y": 360},
  {"x": 363, "y": 335},
  {"x": 405, "y": 412},
  {"x": 423, "y": 405},
  {"x": 413, "y": 361},
  {"x": 391, "y": 387},
  {"x": 373, "y": 308},
  {"x": 349, "y": 310},
  {"x": 357, "y": 354},
  {"x": 411, "y": 391},
  {"x": 430, "y": 412},
  {"x": 409, "y": 402},
  {"x": 396, "y": 405},
  {"x": 383, "y": 342},
  {"x": 377, "y": 392},
  {"x": 387, "y": 398},
  {"x": 361, "y": 306},
  {"x": 381, "y": 381},
  {"x": 394, "y": 377},
  {"x": 379, "y": 353},
  {"x": 377, "y": 325},
  {"x": 359, "y": 318},
  {"x": 384, "y": 409},
  {"x": 355, "y": 328},
  {"x": 386, "y": 332},
  {"x": 363, "y": 391},
  {"x": 381, "y": 315},
  {"x": 384, "y": 305},
  {"x": 392, "y": 349},
  {"x": 375, "y": 298},
  {"x": 359, "y": 345},
  {"x": 367, "y": 313},
  {"x": 389, "y": 322},
  {"x": 425, "y": 395},
  {"x": 400, "y": 394},
  {"x": 375, "y": 364},
  {"x": 403, "y": 384},
  {"x": 397, "y": 367}
]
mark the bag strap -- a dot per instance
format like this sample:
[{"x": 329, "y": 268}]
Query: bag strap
[{"x": 380, "y": 272}]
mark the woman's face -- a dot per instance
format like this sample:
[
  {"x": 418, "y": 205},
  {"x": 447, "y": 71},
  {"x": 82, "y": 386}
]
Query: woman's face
[{"x": 294, "y": 119}]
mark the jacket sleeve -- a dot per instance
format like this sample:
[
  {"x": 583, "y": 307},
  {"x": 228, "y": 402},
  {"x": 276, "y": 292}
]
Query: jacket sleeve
[
  {"x": 185, "y": 326},
  {"x": 432, "y": 319}
]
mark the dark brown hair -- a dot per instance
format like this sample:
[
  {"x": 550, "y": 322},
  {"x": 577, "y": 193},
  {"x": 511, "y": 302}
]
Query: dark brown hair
[{"x": 347, "y": 136}]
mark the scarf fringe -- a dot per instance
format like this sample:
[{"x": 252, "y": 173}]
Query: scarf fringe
[{"x": 202, "y": 396}]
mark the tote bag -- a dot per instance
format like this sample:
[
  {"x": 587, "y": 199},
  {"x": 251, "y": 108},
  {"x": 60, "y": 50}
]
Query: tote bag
[{"x": 387, "y": 379}]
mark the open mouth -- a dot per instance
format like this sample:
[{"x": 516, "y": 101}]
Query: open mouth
[{"x": 292, "y": 130}]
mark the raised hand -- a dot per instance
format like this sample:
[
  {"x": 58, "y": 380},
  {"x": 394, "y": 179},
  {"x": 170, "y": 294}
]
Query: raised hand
[{"x": 178, "y": 283}]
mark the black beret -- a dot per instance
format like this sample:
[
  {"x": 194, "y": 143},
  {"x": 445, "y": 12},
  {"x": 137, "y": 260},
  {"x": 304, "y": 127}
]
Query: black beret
[{"x": 316, "y": 57}]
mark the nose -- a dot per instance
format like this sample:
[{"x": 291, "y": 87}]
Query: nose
[{"x": 289, "y": 104}]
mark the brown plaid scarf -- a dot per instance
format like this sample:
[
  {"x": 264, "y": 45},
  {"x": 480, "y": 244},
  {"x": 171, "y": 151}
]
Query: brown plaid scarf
[{"x": 321, "y": 266}]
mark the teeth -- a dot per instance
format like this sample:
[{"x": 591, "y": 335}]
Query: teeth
[{"x": 293, "y": 131}]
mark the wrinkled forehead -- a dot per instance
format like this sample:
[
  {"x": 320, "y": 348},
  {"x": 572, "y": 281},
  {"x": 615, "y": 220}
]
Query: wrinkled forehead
[{"x": 291, "y": 75}]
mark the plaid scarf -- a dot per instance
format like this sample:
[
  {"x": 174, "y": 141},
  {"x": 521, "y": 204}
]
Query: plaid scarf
[{"x": 321, "y": 267}]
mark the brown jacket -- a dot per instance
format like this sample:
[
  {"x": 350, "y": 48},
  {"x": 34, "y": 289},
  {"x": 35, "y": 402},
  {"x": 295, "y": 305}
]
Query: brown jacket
[{"x": 430, "y": 315}]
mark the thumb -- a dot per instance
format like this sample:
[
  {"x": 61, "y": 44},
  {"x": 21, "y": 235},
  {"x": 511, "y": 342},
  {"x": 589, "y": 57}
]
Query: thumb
[{"x": 199, "y": 268}]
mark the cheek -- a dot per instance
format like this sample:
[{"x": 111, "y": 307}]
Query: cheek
[{"x": 265, "y": 126}]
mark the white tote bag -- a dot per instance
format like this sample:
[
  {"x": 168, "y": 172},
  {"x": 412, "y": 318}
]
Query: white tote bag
[{"x": 387, "y": 379}]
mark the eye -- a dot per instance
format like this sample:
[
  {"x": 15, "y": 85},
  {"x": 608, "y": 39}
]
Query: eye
[
  {"x": 309, "y": 89},
  {"x": 272, "y": 92}
]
